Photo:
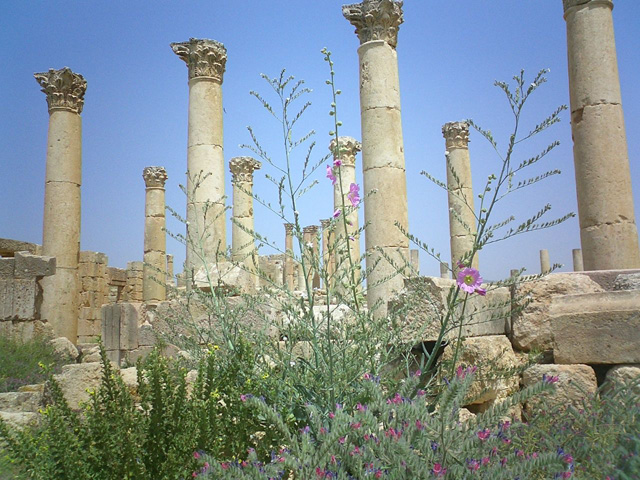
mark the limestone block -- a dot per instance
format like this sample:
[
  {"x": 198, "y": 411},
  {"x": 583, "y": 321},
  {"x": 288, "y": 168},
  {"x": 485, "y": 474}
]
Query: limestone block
[
  {"x": 597, "y": 328},
  {"x": 575, "y": 383},
  {"x": 146, "y": 335},
  {"x": 131, "y": 317},
  {"x": 116, "y": 276},
  {"x": 93, "y": 257},
  {"x": 225, "y": 275},
  {"x": 531, "y": 326},
  {"x": 132, "y": 356},
  {"x": 6, "y": 298},
  {"x": 7, "y": 266},
  {"x": 63, "y": 347},
  {"x": 24, "y": 298},
  {"x": 427, "y": 300},
  {"x": 76, "y": 380},
  {"x": 20, "y": 420},
  {"x": 630, "y": 281},
  {"x": 89, "y": 330},
  {"x": 628, "y": 375},
  {"x": 8, "y": 247},
  {"x": 24, "y": 401},
  {"x": 111, "y": 327},
  {"x": 130, "y": 378},
  {"x": 28, "y": 265},
  {"x": 490, "y": 354}
]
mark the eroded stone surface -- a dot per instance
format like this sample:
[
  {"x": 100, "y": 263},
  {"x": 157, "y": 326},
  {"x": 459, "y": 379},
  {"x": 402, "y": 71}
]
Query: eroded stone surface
[{"x": 575, "y": 383}]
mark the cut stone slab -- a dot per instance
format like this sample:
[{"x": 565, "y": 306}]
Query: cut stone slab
[
  {"x": 30, "y": 266},
  {"x": 627, "y": 281},
  {"x": 531, "y": 328},
  {"x": 597, "y": 328},
  {"x": 489, "y": 354},
  {"x": 427, "y": 300},
  {"x": 575, "y": 383}
]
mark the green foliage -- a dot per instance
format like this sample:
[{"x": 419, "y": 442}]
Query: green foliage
[{"x": 19, "y": 361}]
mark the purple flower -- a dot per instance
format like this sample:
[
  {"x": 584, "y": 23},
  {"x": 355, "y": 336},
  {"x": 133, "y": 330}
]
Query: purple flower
[
  {"x": 330, "y": 175},
  {"x": 354, "y": 194},
  {"x": 550, "y": 379},
  {"x": 337, "y": 163},
  {"x": 337, "y": 213},
  {"x": 469, "y": 280}
]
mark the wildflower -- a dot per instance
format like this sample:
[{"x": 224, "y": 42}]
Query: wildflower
[
  {"x": 337, "y": 163},
  {"x": 354, "y": 194},
  {"x": 463, "y": 372},
  {"x": 330, "y": 175},
  {"x": 550, "y": 379},
  {"x": 421, "y": 393},
  {"x": 418, "y": 373},
  {"x": 332, "y": 415},
  {"x": 469, "y": 280},
  {"x": 337, "y": 213},
  {"x": 356, "y": 425},
  {"x": 439, "y": 470},
  {"x": 473, "y": 465},
  {"x": 485, "y": 461},
  {"x": 246, "y": 397},
  {"x": 196, "y": 455},
  {"x": 361, "y": 407},
  {"x": 484, "y": 434}
]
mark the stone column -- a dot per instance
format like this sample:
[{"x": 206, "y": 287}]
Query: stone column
[
  {"x": 545, "y": 263},
  {"x": 577, "y": 260},
  {"x": 61, "y": 226},
  {"x": 206, "y": 228},
  {"x": 345, "y": 151},
  {"x": 310, "y": 237},
  {"x": 243, "y": 247},
  {"x": 300, "y": 279},
  {"x": 155, "y": 236},
  {"x": 608, "y": 231},
  {"x": 444, "y": 270},
  {"x": 327, "y": 246},
  {"x": 462, "y": 222},
  {"x": 289, "y": 265},
  {"x": 171, "y": 281},
  {"x": 377, "y": 23}
]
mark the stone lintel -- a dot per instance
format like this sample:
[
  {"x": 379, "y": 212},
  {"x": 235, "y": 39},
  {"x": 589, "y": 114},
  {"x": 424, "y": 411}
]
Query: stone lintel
[
  {"x": 64, "y": 89},
  {"x": 567, "y": 4},
  {"x": 345, "y": 149},
  {"x": 375, "y": 20},
  {"x": 456, "y": 134},
  {"x": 154, "y": 177},
  {"x": 204, "y": 57},
  {"x": 242, "y": 169}
]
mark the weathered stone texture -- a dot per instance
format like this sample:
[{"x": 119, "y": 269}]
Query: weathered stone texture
[
  {"x": 628, "y": 375},
  {"x": 575, "y": 383},
  {"x": 630, "y": 281},
  {"x": 599, "y": 328},
  {"x": 531, "y": 326}
]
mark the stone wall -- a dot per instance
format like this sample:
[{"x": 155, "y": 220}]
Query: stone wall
[
  {"x": 94, "y": 292},
  {"x": 21, "y": 294}
]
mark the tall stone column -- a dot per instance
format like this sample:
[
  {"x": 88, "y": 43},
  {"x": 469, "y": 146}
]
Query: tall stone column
[
  {"x": 545, "y": 262},
  {"x": 327, "y": 246},
  {"x": 345, "y": 150},
  {"x": 206, "y": 227},
  {"x": 155, "y": 236},
  {"x": 289, "y": 264},
  {"x": 578, "y": 266},
  {"x": 377, "y": 23},
  {"x": 171, "y": 279},
  {"x": 243, "y": 247},
  {"x": 608, "y": 231},
  {"x": 462, "y": 222},
  {"x": 310, "y": 236},
  {"x": 61, "y": 230}
]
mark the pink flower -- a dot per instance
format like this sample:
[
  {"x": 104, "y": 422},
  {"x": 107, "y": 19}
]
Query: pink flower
[
  {"x": 550, "y": 379},
  {"x": 337, "y": 163},
  {"x": 330, "y": 175},
  {"x": 354, "y": 194},
  {"x": 469, "y": 280},
  {"x": 337, "y": 213},
  {"x": 484, "y": 434}
]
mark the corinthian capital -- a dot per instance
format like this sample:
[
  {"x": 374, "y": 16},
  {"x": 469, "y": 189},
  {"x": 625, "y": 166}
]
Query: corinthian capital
[
  {"x": 154, "y": 176},
  {"x": 205, "y": 58},
  {"x": 242, "y": 169},
  {"x": 345, "y": 150},
  {"x": 375, "y": 20},
  {"x": 63, "y": 88},
  {"x": 456, "y": 134},
  {"x": 575, "y": 3}
]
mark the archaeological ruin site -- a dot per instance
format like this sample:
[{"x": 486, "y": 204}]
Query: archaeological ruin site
[{"x": 586, "y": 322}]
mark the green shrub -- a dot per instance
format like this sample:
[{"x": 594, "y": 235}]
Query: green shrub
[{"x": 19, "y": 361}]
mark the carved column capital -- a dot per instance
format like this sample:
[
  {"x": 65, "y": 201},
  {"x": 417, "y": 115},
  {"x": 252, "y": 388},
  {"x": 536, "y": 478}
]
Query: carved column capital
[
  {"x": 456, "y": 134},
  {"x": 325, "y": 224},
  {"x": 154, "y": 177},
  {"x": 310, "y": 229},
  {"x": 345, "y": 150},
  {"x": 204, "y": 57},
  {"x": 567, "y": 4},
  {"x": 64, "y": 89},
  {"x": 375, "y": 20},
  {"x": 288, "y": 228},
  {"x": 242, "y": 169}
]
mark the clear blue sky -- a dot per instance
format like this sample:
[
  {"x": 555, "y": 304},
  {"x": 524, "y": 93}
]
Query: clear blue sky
[{"x": 136, "y": 105}]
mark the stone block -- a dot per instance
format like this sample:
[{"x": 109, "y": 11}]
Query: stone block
[
  {"x": 426, "y": 298},
  {"x": 131, "y": 317},
  {"x": 132, "y": 356},
  {"x": 8, "y": 247},
  {"x": 531, "y": 327},
  {"x": 597, "y": 328},
  {"x": 628, "y": 281},
  {"x": 20, "y": 420},
  {"x": 28, "y": 265},
  {"x": 495, "y": 359},
  {"x": 628, "y": 375},
  {"x": 62, "y": 346},
  {"x": 116, "y": 276},
  {"x": 575, "y": 383},
  {"x": 7, "y": 266},
  {"x": 6, "y": 298},
  {"x": 111, "y": 327},
  {"x": 77, "y": 380},
  {"x": 93, "y": 257},
  {"x": 89, "y": 329},
  {"x": 146, "y": 336},
  {"x": 24, "y": 298}
]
